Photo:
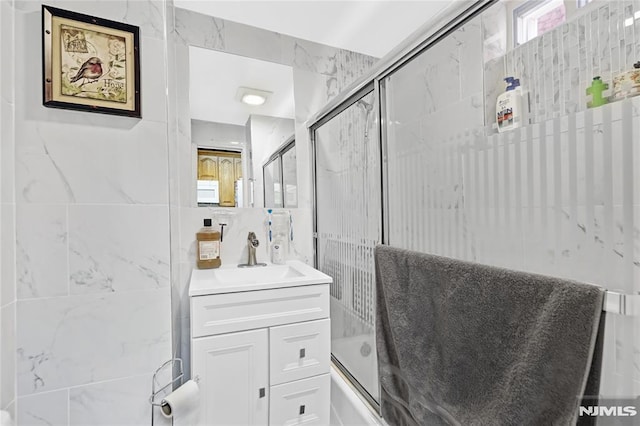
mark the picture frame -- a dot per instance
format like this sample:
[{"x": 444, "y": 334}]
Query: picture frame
[{"x": 90, "y": 64}]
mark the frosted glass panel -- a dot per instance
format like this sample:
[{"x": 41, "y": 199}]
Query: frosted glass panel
[
  {"x": 557, "y": 197},
  {"x": 433, "y": 105},
  {"x": 289, "y": 177},
  {"x": 348, "y": 228},
  {"x": 272, "y": 184}
]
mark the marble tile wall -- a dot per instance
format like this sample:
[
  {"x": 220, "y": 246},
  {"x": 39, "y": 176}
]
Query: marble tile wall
[
  {"x": 602, "y": 40},
  {"x": 91, "y": 237},
  {"x": 7, "y": 212}
]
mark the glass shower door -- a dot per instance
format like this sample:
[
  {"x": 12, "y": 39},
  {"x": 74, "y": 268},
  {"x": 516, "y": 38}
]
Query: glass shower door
[{"x": 348, "y": 226}]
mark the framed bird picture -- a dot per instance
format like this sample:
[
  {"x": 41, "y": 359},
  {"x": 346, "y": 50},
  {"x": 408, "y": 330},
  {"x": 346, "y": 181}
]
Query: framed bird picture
[{"x": 90, "y": 64}]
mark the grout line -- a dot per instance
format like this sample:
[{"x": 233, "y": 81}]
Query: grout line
[
  {"x": 68, "y": 271},
  {"x": 96, "y": 294}
]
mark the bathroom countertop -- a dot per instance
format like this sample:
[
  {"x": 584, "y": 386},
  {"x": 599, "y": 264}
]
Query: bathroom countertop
[{"x": 231, "y": 279}]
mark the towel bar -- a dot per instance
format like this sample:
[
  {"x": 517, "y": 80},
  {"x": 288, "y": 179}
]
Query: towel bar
[{"x": 621, "y": 303}]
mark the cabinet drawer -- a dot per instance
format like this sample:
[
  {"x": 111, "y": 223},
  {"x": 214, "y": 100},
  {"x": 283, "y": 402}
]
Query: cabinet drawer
[
  {"x": 299, "y": 350},
  {"x": 301, "y": 402},
  {"x": 224, "y": 313}
]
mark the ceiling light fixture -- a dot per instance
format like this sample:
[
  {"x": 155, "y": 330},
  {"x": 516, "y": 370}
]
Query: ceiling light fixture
[{"x": 253, "y": 97}]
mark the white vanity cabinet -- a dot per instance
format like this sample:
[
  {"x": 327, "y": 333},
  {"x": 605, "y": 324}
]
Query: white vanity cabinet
[{"x": 261, "y": 355}]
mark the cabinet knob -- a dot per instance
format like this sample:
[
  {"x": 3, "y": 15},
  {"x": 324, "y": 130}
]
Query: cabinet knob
[
  {"x": 262, "y": 392},
  {"x": 302, "y": 353},
  {"x": 302, "y": 409}
]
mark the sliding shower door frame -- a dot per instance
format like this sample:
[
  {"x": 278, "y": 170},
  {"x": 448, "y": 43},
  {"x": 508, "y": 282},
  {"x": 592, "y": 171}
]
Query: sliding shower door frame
[
  {"x": 362, "y": 92},
  {"x": 418, "y": 43},
  {"x": 312, "y": 136}
]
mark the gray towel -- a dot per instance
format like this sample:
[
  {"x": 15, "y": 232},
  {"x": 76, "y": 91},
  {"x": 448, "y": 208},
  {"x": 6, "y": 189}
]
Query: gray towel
[{"x": 467, "y": 344}]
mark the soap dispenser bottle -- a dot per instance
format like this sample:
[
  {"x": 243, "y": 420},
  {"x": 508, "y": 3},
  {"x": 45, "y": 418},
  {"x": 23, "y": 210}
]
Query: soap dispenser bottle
[
  {"x": 509, "y": 112},
  {"x": 208, "y": 247},
  {"x": 277, "y": 251}
]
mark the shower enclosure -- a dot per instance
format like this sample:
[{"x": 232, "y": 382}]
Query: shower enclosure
[
  {"x": 347, "y": 185},
  {"x": 411, "y": 157}
]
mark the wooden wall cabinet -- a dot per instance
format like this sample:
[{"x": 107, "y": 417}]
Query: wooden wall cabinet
[{"x": 223, "y": 166}]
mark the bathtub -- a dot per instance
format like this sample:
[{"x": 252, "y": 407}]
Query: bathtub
[{"x": 348, "y": 408}]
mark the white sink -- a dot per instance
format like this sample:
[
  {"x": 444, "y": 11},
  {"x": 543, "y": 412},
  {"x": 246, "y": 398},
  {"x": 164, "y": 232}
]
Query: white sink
[
  {"x": 256, "y": 274},
  {"x": 230, "y": 278}
]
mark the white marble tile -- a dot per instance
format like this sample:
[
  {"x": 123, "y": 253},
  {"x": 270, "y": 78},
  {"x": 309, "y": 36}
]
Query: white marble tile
[
  {"x": 118, "y": 248},
  {"x": 408, "y": 96},
  {"x": 350, "y": 66},
  {"x": 253, "y": 42},
  {"x": 234, "y": 245},
  {"x": 636, "y": 251},
  {"x": 146, "y": 14},
  {"x": 6, "y": 51},
  {"x": 494, "y": 31},
  {"x": 315, "y": 57},
  {"x": 153, "y": 88},
  {"x": 301, "y": 246},
  {"x": 469, "y": 38},
  {"x": 46, "y": 409},
  {"x": 41, "y": 259},
  {"x": 187, "y": 173},
  {"x": 7, "y": 152},
  {"x": 309, "y": 93},
  {"x": 7, "y": 354},
  {"x": 199, "y": 30},
  {"x": 441, "y": 79},
  {"x": 77, "y": 340},
  {"x": 8, "y": 250},
  {"x": 123, "y": 402},
  {"x": 96, "y": 165}
]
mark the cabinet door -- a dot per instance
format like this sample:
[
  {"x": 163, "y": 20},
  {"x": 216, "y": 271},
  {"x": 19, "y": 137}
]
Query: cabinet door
[
  {"x": 237, "y": 165},
  {"x": 233, "y": 376},
  {"x": 227, "y": 182},
  {"x": 207, "y": 166}
]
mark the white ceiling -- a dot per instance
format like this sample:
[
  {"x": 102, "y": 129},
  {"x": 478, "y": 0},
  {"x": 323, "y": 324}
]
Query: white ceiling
[
  {"x": 214, "y": 79},
  {"x": 372, "y": 27}
]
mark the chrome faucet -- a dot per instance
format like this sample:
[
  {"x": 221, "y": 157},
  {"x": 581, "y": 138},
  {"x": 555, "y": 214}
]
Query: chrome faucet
[{"x": 252, "y": 244}]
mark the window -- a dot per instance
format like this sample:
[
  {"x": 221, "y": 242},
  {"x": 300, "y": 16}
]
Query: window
[{"x": 536, "y": 17}]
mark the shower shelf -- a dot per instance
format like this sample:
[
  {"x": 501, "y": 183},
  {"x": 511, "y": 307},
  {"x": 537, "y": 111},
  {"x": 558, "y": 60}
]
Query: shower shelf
[{"x": 621, "y": 303}]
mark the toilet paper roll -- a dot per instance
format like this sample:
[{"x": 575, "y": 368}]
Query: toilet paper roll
[
  {"x": 181, "y": 402},
  {"x": 5, "y": 419}
]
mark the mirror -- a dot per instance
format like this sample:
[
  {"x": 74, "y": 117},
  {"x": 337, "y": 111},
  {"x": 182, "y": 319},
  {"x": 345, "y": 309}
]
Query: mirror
[
  {"x": 280, "y": 177},
  {"x": 242, "y": 112}
]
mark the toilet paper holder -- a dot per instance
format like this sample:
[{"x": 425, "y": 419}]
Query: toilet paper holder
[{"x": 154, "y": 392}]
